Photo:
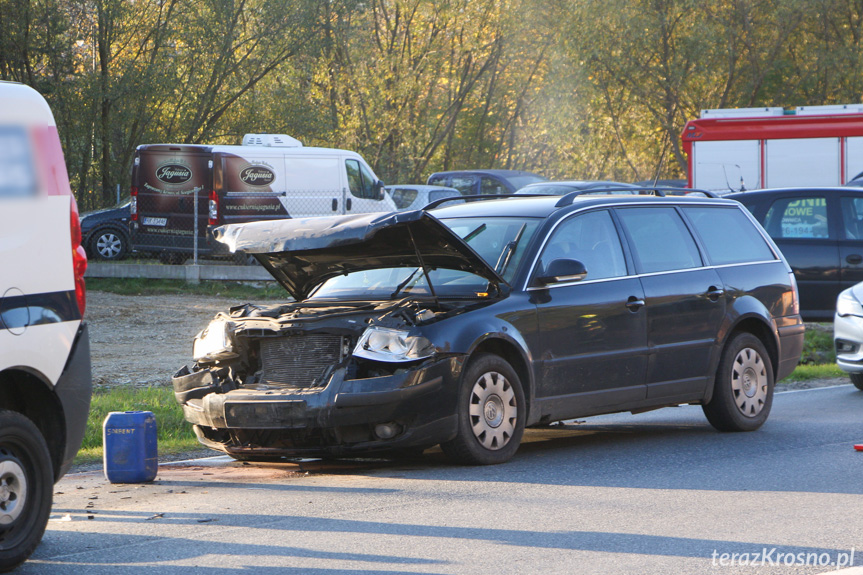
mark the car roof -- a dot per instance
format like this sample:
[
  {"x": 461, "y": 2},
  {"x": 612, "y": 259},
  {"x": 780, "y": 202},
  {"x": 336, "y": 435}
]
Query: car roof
[{"x": 544, "y": 206}]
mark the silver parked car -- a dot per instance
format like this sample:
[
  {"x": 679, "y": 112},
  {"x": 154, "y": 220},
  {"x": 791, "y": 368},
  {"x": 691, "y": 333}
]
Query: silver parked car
[
  {"x": 848, "y": 333},
  {"x": 417, "y": 196}
]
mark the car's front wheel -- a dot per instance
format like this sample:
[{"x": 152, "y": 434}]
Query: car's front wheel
[
  {"x": 109, "y": 244},
  {"x": 857, "y": 380},
  {"x": 743, "y": 391},
  {"x": 26, "y": 485},
  {"x": 491, "y": 413}
]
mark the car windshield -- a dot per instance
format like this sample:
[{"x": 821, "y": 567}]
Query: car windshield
[{"x": 501, "y": 242}]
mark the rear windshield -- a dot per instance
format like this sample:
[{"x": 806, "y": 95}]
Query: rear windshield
[{"x": 17, "y": 173}]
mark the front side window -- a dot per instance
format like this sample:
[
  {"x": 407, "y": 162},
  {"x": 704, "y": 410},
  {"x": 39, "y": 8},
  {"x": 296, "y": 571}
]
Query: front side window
[
  {"x": 660, "y": 240},
  {"x": 798, "y": 218},
  {"x": 360, "y": 180},
  {"x": 728, "y": 235},
  {"x": 590, "y": 238},
  {"x": 852, "y": 217}
]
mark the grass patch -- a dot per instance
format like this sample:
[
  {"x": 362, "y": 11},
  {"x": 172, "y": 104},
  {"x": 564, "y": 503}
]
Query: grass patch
[
  {"x": 245, "y": 291},
  {"x": 818, "y": 344},
  {"x": 175, "y": 434},
  {"x": 815, "y": 371}
]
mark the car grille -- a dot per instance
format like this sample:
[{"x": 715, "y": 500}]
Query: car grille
[{"x": 299, "y": 361}]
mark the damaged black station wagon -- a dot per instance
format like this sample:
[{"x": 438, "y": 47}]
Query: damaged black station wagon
[{"x": 462, "y": 325}]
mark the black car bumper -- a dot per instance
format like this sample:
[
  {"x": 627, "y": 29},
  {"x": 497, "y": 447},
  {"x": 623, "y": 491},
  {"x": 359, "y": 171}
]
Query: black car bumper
[
  {"x": 790, "y": 348},
  {"x": 416, "y": 405},
  {"x": 74, "y": 389}
]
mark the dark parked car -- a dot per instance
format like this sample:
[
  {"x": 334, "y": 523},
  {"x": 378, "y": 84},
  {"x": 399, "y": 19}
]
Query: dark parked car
[
  {"x": 820, "y": 231},
  {"x": 106, "y": 232},
  {"x": 484, "y": 182},
  {"x": 461, "y": 326}
]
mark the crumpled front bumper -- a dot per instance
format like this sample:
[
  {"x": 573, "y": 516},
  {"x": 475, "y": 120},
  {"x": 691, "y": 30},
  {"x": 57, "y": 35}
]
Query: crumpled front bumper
[{"x": 339, "y": 417}]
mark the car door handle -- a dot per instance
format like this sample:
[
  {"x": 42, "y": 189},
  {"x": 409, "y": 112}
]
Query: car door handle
[
  {"x": 854, "y": 259},
  {"x": 335, "y": 204},
  {"x": 714, "y": 293},
  {"x": 634, "y": 303},
  {"x": 348, "y": 204}
]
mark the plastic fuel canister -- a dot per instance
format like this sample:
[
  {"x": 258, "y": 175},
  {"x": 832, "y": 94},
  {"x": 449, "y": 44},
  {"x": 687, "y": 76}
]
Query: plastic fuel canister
[{"x": 129, "y": 444}]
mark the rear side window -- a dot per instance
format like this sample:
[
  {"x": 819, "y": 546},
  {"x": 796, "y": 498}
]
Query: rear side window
[
  {"x": 464, "y": 184},
  {"x": 438, "y": 195},
  {"x": 492, "y": 186},
  {"x": 17, "y": 174},
  {"x": 403, "y": 197},
  {"x": 728, "y": 235},
  {"x": 661, "y": 241},
  {"x": 798, "y": 218}
]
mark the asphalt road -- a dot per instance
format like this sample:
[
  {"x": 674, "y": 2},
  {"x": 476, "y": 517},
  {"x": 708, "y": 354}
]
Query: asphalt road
[{"x": 659, "y": 492}]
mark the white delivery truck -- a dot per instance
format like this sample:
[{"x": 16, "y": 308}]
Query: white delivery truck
[
  {"x": 45, "y": 380},
  {"x": 269, "y": 176},
  {"x": 748, "y": 148}
]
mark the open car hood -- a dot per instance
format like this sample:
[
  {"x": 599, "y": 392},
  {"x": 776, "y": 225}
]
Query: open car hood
[{"x": 303, "y": 253}]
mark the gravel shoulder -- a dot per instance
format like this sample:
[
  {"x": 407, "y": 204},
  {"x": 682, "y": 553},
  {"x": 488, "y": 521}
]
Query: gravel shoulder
[{"x": 144, "y": 340}]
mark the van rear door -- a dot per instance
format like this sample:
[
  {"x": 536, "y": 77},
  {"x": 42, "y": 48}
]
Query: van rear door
[
  {"x": 170, "y": 181},
  {"x": 250, "y": 187}
]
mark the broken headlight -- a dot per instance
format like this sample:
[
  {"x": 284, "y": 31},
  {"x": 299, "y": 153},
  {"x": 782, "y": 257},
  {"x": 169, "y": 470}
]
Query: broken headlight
[
  {"x": 214, "y": 343},
  {"x": 392, "y": 345}
]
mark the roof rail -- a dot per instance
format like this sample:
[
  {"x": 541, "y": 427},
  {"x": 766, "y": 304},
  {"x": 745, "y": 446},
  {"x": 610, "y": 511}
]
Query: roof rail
[
  {"x": 567, "y": 199},
  {"x": 477, "y": 197}
]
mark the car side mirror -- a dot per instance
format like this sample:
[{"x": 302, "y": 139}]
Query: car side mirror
[
  {"x": 379, "y": 188},
  {"x": 561, "y": 271}
]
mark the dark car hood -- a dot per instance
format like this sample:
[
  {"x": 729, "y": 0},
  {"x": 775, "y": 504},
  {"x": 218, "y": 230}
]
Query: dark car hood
[{"x": 303, "y": 253}]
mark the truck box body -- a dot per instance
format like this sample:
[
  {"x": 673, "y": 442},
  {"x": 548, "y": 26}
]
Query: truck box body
[{"x": 734, "y": 150}]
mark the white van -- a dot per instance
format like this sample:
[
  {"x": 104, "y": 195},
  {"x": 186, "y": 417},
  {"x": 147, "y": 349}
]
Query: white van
[
  {"x": 45, "y": 381},
  {"x": 270, "y": 176}
]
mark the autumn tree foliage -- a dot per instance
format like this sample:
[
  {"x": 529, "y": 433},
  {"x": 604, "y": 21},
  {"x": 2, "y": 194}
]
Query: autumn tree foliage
[{"x": 581, "y": 89}]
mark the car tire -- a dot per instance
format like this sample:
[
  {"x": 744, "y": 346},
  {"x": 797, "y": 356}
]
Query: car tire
[
  {"x": 491, "y": 413},
  {"x": 26, "y": 488},
  {"x": 109, "y": 244},
  {"x": 857, "y": 380},
  {"x": 743, "y": 390}
]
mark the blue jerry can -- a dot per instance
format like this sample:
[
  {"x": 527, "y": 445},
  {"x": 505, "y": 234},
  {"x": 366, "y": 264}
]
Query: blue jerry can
[{"x": 129, "y": 444}]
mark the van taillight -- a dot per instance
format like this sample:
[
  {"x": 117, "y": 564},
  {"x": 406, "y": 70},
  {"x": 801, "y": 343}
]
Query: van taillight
[
  {"x": 79, "y": 258},
  {"x": 133, "y": 206},
  {"x": 213, "y": 213}
]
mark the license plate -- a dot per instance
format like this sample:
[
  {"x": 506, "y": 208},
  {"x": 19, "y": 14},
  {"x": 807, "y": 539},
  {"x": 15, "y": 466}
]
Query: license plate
[{"x": 154, "y": 221}]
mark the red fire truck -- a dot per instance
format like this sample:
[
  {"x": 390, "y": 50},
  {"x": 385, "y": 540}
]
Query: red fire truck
[{"x": 748, "y": 148}]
